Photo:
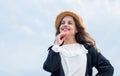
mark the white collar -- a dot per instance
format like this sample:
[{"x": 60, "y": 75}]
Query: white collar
[{"x": 70, "y": 50}]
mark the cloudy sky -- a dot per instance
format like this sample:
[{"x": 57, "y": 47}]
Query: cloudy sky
[{"x": 27, "y": 30}]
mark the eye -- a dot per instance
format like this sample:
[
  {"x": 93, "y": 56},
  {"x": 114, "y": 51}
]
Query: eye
[
  {"x": 70, "y": 23},
  {"x": 63, "y": 22}
]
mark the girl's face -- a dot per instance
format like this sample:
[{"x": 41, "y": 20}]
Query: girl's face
[{"x": 68, "y": 26}]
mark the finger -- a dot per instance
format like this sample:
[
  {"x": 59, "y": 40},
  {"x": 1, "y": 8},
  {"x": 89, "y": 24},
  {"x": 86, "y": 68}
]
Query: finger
[{"x": 62, "y": 35}]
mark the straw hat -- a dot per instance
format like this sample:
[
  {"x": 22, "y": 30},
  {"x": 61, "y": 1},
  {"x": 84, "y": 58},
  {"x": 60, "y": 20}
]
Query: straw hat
[{"x": 67, "y": 13}]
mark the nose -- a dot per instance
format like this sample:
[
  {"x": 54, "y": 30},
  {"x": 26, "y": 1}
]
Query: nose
[{"x": 65, "y": 26}]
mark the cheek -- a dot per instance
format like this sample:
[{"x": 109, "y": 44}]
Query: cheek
[
  {"x": 60, "y": 29},
  {"x": 74, "y": 30}
]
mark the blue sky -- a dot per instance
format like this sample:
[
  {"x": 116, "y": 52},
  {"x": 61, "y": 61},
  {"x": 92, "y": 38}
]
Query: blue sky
[{"x": 27, "y": 30}]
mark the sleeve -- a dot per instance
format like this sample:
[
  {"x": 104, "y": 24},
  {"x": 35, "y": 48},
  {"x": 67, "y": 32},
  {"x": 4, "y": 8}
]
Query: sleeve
[
  {"x": 52, "y": 62},
  {"x": 102, "y": 65}
]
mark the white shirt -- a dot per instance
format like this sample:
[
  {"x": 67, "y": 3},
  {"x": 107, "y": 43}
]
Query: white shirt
[{"x": 73, "y": 58}]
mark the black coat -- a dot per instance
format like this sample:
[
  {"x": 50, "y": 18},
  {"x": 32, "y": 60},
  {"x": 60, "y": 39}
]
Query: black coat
[{"x": 94, "y": 59}]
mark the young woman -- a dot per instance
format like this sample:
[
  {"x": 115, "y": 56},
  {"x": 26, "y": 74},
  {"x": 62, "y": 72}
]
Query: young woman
[{"x": 74, "y": 52}]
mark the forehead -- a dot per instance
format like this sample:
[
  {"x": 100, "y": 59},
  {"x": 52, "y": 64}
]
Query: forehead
[{"x": 68, "y": 18}]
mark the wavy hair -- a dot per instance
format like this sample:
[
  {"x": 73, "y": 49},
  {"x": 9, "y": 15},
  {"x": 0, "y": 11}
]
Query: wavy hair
[{"x": 81, "y": 36}]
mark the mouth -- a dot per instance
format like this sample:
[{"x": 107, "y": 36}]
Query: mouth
[{"x": 65, "y": 29}]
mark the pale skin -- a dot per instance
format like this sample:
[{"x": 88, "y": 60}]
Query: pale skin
[{"x": 67, "y": 31}]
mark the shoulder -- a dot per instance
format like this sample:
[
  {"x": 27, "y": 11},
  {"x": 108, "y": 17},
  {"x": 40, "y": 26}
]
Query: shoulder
[
  {"x": 93, "y": 53},
  {"x": 90, "y": 48}
]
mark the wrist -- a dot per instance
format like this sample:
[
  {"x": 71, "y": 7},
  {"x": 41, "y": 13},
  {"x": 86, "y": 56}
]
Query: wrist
[
  {"x": 56, "y": 48},
  {"x": 56, "y": 44}
]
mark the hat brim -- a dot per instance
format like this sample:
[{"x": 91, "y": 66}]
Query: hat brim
[{"x": 66, "y": 13}]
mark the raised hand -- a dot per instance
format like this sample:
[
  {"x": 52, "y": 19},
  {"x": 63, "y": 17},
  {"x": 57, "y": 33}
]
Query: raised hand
[{"x": 60, "y": 38}]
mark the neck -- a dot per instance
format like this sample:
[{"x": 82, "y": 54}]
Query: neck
[{"x": 70, "y": 40}]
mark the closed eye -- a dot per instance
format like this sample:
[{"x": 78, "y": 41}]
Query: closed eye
[
  {"x": 63, "y": 22},
  {"x": 69, "y": 22}
]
